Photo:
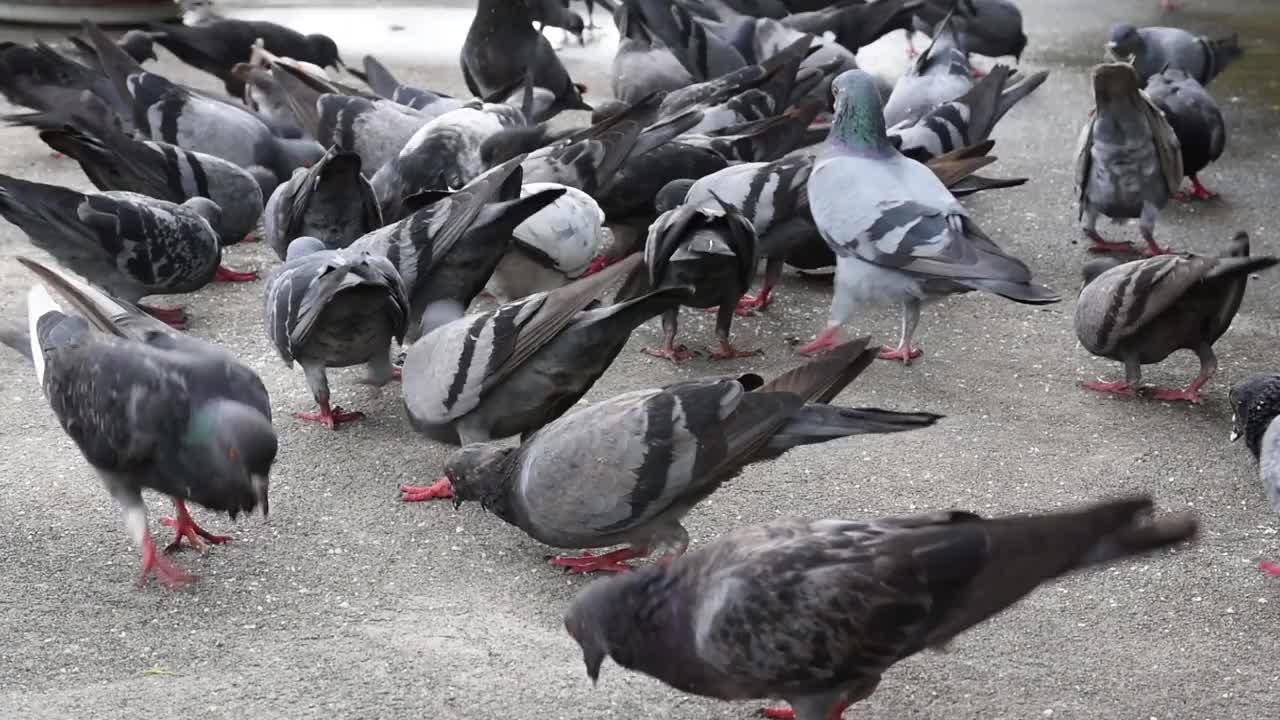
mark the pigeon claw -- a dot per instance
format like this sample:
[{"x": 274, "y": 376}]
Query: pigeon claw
[
  {"x": 608, "y": 562},
  {"x": 172, "y": 316},
  {"x": 825, "y": 341},
  {"x": 674, "y": 353},
  {"x": 154, "y": 563},
  {"x": 905, "y": 354},
  {"x": 226, "y": 274},
  {"x": 441, "y": 489},
  {"x": 1119, "y": 387},
  {"x": 1269, "y": 567},
  {"x": 1189, "y": 394},
  {"x": 1197, "y": 192},
  {"x": 727, "y": 351},
  {"x": 1107, "y": 246},
  {"x": 760, "y": 301},
  {"x": 184, "y": 526},
  {"x": 330, "y": 417}
]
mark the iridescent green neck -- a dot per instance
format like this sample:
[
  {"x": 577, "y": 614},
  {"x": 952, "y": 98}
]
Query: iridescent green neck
[{"x": 859, "y": 124}]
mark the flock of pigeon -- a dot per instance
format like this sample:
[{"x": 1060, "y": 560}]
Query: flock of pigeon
[{"x": 739, "y": 130}]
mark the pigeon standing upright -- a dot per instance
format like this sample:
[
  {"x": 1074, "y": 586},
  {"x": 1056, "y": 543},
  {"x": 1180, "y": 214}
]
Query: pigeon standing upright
[
  {"x": 626, "y": 470},
  {"x": 1142, "y": 311},
  {"x": 816, "y": 611},
  {"x": 1156, "y": 49},
  {"x": 1196, "y": 120},
  {"x": 898, "y": 234},
  {"x": 151, "y": 409},
  {"x": 1129, "y": 161}
]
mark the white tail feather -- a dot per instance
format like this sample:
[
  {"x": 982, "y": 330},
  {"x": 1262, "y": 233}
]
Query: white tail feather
[{"x": 39, "y": 304}]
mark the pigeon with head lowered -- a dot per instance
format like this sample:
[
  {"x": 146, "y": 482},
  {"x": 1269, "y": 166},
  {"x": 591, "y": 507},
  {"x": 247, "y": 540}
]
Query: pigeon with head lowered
[
  {"x": 331, "y": 201},
  {"x": 129, "y": 244},
  {"x": 151, "y": 409},
  {"x": 627, "y": 469},
  {"x": 1142, "y": 311},
  {"x": 941, "y": 74},
  {"x": 643, "y": 64},
  {"x": 1255, "y": 402},
  {"x": 1129, "y": 161},
  {"x": 898, "y": 234},
  {"x": 1153, "y": 50},
  {"x": 388, "y": 86},
  {"x": 335, "y": 308},
  {"x": 816, "y": 611},
  {"x": 513, "y": 369},
  {"x": 1196, "y": 120},
  {"x": 854, "y": 24}
]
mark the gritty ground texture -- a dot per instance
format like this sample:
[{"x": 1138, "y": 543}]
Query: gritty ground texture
[{"x": 348, "y": 603}]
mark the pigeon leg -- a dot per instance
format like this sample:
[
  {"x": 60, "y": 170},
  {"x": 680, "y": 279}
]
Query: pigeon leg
[
  {"x": 669, "y": 351},
  {"x": 1199, "y": 191},
  {"x": 184, "y": 526},
  {"x": 330, "y": 417},
  {"x": 226, "y": 274},
  {"x": 1191, "y": 393},
  {"x": 1147, "y": 228},
  {"x": 1127, "y": 387},
  {"x": 173, "y": 316},
  {"x": 135, "y": 523},
  {"x": 822, "y": 343},
  {"x": 1169, "y": 5},
  {"x": 608, "y": 562},
  {"x": 726, "y": 350},
  {"x": 904, "y": 351},
  {"x": 772, "y": 273},
  {"x": 1269, "y": 567},
  {"x": 440, "y": 489}
]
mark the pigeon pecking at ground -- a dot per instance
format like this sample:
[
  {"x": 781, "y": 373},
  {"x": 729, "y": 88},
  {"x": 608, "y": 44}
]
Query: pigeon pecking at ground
[
  {"x": 627, "y": 469},
  {"x": 1255, "y": 402},
  {"x": 1196, "y": 120},
  {"x": 330, "y": 201},
  {"x": 816, "y": 611},
  {"x": 151, "y": 409},
  {"x": 1153, "y": 50}
]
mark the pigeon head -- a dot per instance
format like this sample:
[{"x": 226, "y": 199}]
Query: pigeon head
[
  {"x": 324, "y": 51},
  {"x": 1115, "y": 83},
  {"x": 302, "y": 247},
  {"x": 205, "y": 208},
  {"x": 859, "y": 112},
  {"x": 672, "y": 195},
  {"x": 478, "y": 473},
  {"x": 233, "y": 446},
  {"x": 607, "y": 619},
  {"x": 1254, "y": 402},
  {"x": 138, "y": 45},
  {"x": 1124, "y": 41}
]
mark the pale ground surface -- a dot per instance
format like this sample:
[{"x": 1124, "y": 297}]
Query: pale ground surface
[{"x": 350, "y": 604}]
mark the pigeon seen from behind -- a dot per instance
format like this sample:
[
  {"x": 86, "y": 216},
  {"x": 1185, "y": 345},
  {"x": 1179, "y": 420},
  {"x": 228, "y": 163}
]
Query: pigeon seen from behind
[
  {"x": 1196, "y": 120},
  {"x": 331, "y": 201}
]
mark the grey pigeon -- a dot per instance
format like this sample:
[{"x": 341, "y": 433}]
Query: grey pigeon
[
  {"x": 703, "y": 54},
  {"x": 264, "y": 96},
  {"x": 513, "y": 369},
  {"x": 448, "y": 249},
  {"x": 131, "y": 245},
  {"x": 1255, "y": 402},
  {"x": 626, "y": 470},
  {"x": 777, "y": 76},
  {"x": 442, "y": 155},
  {"x": 816, "y": 611},
  {"x": 941, "y": 74},
  {"x": 1196, "y": 120},
  {"x": 899, "y": 235},
  {"x": 330, "y": 201},
  {"x": 854, "y": 24},
  {"x": 376, "y": 130},
  {"x": 986, "y": 27},
  {"x": 335, "y": 308},
  {"x": 769, "y": 37},
  {"x": 710, "y": 251},
  {"x": 42, "y": 79},
  {"x": 502, "y": 47},
  {"x": 1156, "y": 49},
  {"x": 643, "y": 64},
  {"x": 1269, "y": 468},
  {"x": 1129, "y": 161},
  {"x": 967, "y": 120},
  {"x": 115, "y": 161},
  {"x": 151, "y": 409},
  {"x": 385, "y": 84},
  {"x": 1140, "y": 312}
]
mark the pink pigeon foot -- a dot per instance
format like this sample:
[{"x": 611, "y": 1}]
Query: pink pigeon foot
[
  {"x": 1197, "y": 192},
  {"x": 250, "y": 238},
  {"x": 184, "y": 526},
  {"x": 599, "y": 263},
  {"x": 154, "y": 563},
  {"x": 438, "y": 490},
  {"x": 226, "y": 274},
  {"x": 1189, "y": 394},
  {"x": 1105, "y": 246},
  {"x": 670, "y": 352},
  {"x": 1119, "y": 387},
  {"x": 173, "y": 316},
  {"x": 330, "y": 417},
  {"x": 825, "y": 341},
  {"x": 906, "y": 355},
  {"x": 608, "y": 562},
  {"x": 727, "y": 351},
  {"x": 1269, "y": 567}
]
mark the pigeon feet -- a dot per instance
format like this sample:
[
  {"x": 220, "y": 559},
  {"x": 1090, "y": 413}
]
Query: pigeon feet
[
  {"x": 1169, "y": 5},
  {"x": 330, "y": 417},
  {"x": 820, "y": 344},
  {"x": 727, "y": 351},
  {"x": 785, "y": 713},
  {"x": 184, "y": 526},
  {"x": 438, "y": 490},
  {"x": 748, "y": 303},
  {"x": 154, "y": 563},
  {"x": 1190, "y": 394},
  {"x": 173, "y": 316},
  {"x": 226, "y": 274},
  {"x": 1197, "y": 192},
  {"x": 674, "y": 353},
  {"x": 903, "y": 353},
  {"x": 1106, "y": 246},
  {"x": 1119, "y": 387},
  {"x": 608, "y": 562},
  {"x": 250, "y": 238},
  {"x": 397, "y": 374},
  {"x": 1269, "y": 567}
]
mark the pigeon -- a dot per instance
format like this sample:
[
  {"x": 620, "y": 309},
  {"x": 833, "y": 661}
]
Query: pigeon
[
  {"x": 151, "y": 409},
  {"x": 626, "y": 470},
  {"x": 815, "y": 611},
  {"x": 502, "y": 47},
  {"x": 335, "y": 308},
  {"x": 264, "y": 96},
  {"x": 432, "y": 104},
  {"x": 902, "y": 236},
  {"x": 643, "y": 64},
  {"x": 777, "y": 77},
  {"x": 855, "y": 25},
  {"x": 990, "y": 27},
  {"x": 130, "y": 245},
  {"x": 1156, "y": 49},
  {"x": 376, "y": 130},
  {"x": 1129, "y": 160},
  {"x": 115, "y": 161},
  {"x": 330, "y": 201},
  {"x": 1269, "y": 468},
  {"x": 137, "y": 43},
  {"x": 448, "y": 249},
  {"x": 442, "y": 155},
  {"x": 942, "y": 73},
  {"x": 560, "y": 243},
  {"x": 709, "y": 251},
  {"x": 46, "y": 81},
  {"x": 556, "y": 13},
  {"x": 216, "y": 47},
  {"x": 703, "y": 54},
  {"x": 513, "y": 369},
  {"x": 1196, "y": 120},
  {"x": 967, "y": 120},
  {"x": 1255, "y": 402},
  {"x": 1142, "y": 311}
]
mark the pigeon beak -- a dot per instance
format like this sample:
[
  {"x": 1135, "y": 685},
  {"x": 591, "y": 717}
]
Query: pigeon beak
[
  {"x": 1234, "y": 436},
  {"x": 593, "y": 662},
  {"x": 261, "y": 485}
]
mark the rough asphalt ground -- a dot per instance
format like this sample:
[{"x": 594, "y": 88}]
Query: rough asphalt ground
[{"x": 348, "y": 603}]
